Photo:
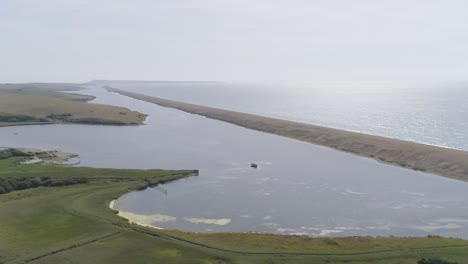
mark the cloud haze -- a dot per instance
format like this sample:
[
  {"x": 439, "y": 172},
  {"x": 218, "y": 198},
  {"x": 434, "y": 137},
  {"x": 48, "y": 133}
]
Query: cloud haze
[{"x": 288, "y": 41}]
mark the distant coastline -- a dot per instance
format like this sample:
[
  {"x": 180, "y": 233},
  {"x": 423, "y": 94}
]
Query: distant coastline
[
  {"x": 431, "y": 159},
  {"x": 130, "y": 82}
]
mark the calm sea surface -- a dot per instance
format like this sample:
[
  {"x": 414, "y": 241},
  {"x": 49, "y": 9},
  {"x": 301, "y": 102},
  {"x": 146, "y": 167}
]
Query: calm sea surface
[
  {"x": 298, "y": 188},
  {"x": 436, "y": 116}
]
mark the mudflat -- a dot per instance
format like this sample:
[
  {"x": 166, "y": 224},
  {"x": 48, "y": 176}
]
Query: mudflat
[{"x": 432, "y": 159}]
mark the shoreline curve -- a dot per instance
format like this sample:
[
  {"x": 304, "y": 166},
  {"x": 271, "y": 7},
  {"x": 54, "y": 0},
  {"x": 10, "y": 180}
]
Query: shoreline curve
[{"x": 450, "y": 163}]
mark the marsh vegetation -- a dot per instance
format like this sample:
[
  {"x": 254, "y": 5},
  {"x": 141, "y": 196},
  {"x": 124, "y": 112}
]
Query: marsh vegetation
[
  {"x": 58, "y": 223},
  {"x": 30, "y": 104}
]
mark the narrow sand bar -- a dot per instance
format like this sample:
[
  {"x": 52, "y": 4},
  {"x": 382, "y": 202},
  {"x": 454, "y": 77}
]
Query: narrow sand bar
[{"x": 432, "y": 159}]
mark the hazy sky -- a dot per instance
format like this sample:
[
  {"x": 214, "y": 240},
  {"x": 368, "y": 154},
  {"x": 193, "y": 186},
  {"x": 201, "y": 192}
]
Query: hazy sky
[{"x": 287, "y": 41}]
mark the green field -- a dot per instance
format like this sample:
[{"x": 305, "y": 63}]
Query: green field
[
  {"x": 39, "y": 105},
  {"x": 58, "y": 214}
]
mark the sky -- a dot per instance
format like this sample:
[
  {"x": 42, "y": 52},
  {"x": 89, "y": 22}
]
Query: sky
[{"x": 258, "y": 41}]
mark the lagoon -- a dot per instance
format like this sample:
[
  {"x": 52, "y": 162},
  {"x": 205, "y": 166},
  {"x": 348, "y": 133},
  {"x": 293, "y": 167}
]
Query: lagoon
[{"x": 299, "y": 188}]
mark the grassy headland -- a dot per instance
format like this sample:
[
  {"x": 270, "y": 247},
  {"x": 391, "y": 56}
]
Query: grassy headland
[
  {"x": 40, "y": 105},
  {"x": 43, "y": 86},
  {"x": 50, "y": 210},
  {"x": 70, "y": 222},
  {"x": 446, "y": 162},
  {"x": 66, "y": 219}
]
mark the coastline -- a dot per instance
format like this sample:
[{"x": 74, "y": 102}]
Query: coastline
[
  {"x": 41, "y": 156},
  {"x": 37, "y": 106},
  {"x": 431, "y": 159},
  {"x": 80, "y": 226},
  {"x": 131, "y": 221}
]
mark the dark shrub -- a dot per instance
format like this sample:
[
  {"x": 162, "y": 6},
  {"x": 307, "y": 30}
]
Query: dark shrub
[
  {"x": 22, "y": 185},
  {"x": 435, "y": 261},
  {"x": 35, "y": 182}
]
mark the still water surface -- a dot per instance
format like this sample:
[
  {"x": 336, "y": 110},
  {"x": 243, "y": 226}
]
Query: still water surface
[
  {"x": 432, "y": 115},
  {"x": 298, "y": 188}
]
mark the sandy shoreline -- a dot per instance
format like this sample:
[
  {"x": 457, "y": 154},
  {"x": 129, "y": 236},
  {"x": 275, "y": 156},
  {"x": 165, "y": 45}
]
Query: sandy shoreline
[
  {"x": 132, "y": 218},
  {"x": 432, "y": 159},
  {"x": 45, "y": 156}
]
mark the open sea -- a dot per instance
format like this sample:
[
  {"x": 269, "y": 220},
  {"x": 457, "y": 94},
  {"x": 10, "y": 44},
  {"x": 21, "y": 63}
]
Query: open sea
[{"x": 435, "y": 115}]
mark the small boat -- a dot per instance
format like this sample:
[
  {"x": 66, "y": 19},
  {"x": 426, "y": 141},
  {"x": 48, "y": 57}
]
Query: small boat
[{"x": 254, "y": 165}]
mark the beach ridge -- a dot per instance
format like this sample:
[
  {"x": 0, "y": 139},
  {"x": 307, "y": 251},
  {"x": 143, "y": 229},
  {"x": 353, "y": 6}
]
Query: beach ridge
[{"x": 446, "y": 162}]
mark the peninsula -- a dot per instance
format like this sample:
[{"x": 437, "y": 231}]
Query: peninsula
[
  {"x": 53, "y": 213},
  {"x": 31, "y": 104},
  {"x": 432, "y": 159}
]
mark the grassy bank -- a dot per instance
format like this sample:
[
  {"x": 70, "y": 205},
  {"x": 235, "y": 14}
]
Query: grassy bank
[
  {"x": 72, "y": 223},
  {"x": 38, "y": 105},
  {"x": 446, "y": 162}
]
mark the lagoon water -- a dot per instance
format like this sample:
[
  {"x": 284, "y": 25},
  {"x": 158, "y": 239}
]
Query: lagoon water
[
  {"x": 435, "y": 116},
  {"x": 298, "y": 188}
]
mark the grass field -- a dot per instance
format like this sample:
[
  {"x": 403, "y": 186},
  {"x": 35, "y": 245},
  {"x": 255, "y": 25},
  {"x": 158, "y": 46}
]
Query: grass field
[
  {"x": 26, "y": 106},
  {"x": 72, "y": 223}
]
